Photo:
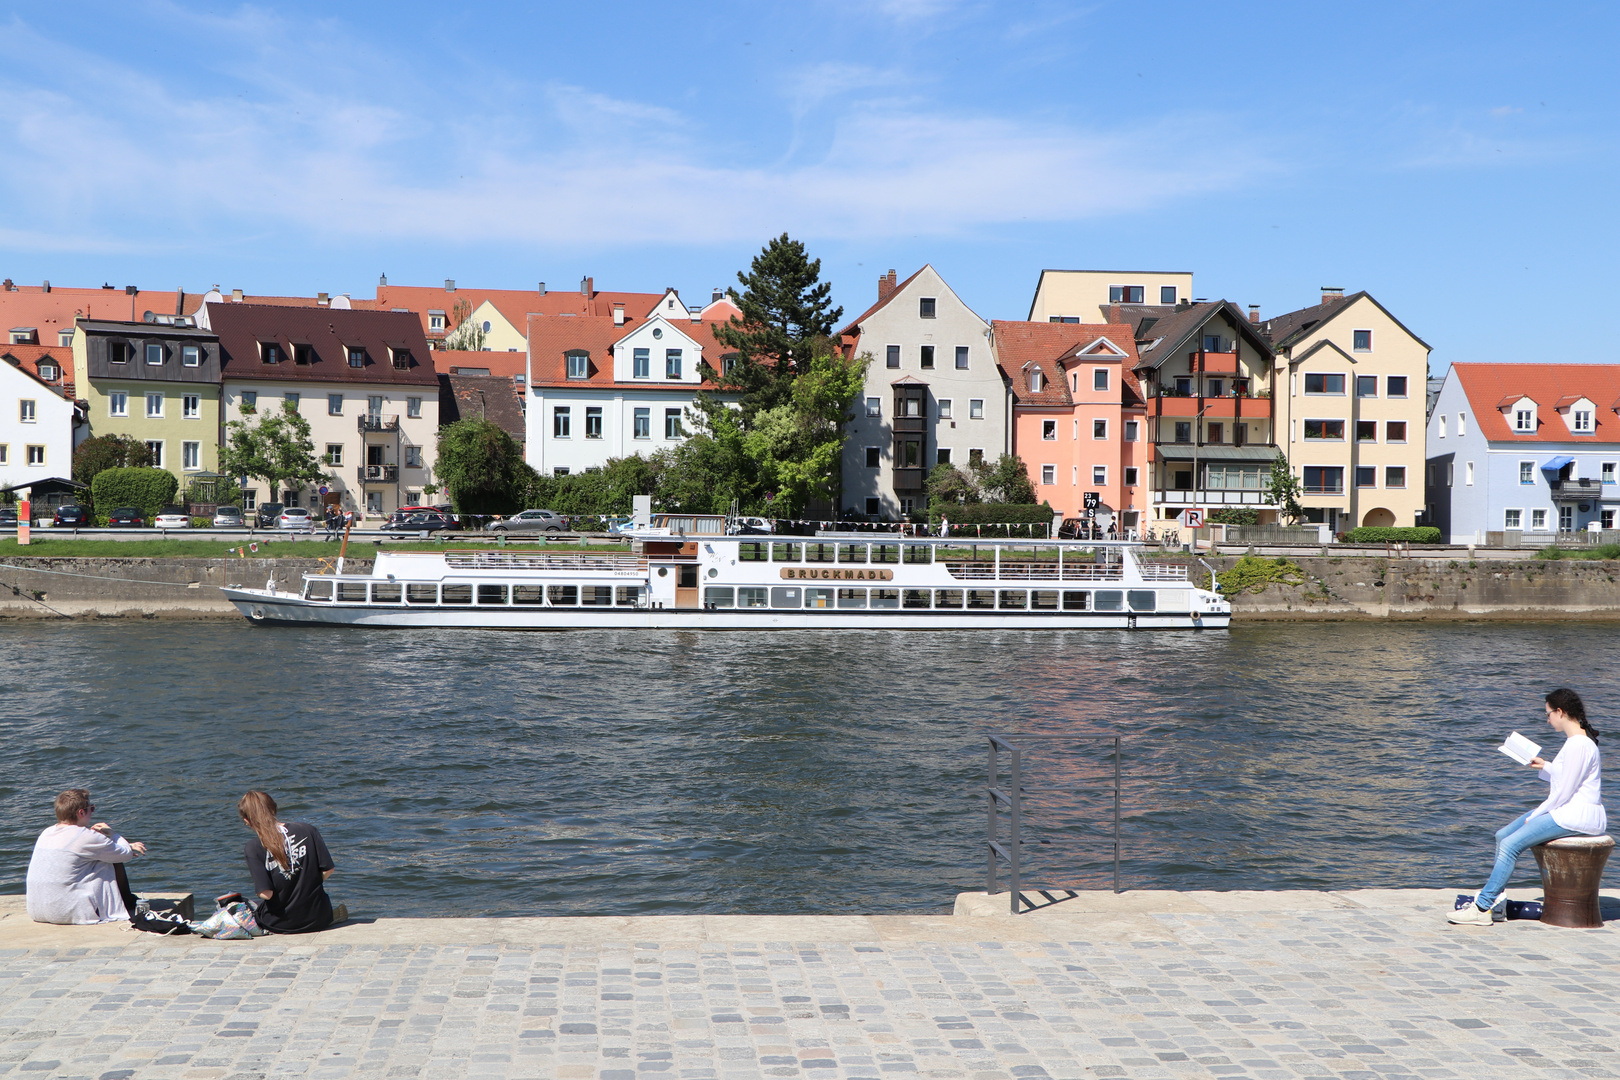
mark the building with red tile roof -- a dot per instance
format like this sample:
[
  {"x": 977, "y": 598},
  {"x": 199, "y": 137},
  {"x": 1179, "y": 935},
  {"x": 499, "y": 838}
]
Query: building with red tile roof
[
  {"x": 44, "y": 314},
  {"x": 1530, "y": 450},
  {"x": 39, "y": 427}
]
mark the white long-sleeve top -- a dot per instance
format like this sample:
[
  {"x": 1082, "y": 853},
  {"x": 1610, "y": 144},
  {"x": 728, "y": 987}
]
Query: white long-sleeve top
[
  {"x": 71, "y": 878},
  {"x": 1576, "y": 798}
]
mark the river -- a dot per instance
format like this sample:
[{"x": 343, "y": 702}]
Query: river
[{"x": 474, "y": 773}]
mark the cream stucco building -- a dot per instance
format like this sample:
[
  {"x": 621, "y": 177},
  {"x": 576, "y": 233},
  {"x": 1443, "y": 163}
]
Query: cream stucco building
[{"x": 1084, "y": 296}]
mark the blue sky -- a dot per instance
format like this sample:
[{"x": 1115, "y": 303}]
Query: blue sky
[{"x": 1455, "y": 160}]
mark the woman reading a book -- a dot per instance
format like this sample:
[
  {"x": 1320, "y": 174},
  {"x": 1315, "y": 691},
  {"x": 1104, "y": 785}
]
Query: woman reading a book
[{"x": 1574, "y": 807}]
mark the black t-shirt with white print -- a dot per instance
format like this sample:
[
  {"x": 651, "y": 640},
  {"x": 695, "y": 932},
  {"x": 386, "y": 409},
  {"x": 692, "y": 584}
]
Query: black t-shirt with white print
[{"x": 299, "y": 904}]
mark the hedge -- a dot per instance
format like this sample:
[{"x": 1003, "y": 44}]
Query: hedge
[
  {"x": 991, "y": 513},
  {"x": 1377, "y": 534},
  {"x": 149, "y": 489}
]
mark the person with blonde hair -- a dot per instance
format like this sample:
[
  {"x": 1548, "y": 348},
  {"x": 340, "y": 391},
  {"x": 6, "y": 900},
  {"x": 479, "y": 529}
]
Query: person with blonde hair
[
  {"x": 290, "y": 864},
  {"x": 76, "y": 873}
]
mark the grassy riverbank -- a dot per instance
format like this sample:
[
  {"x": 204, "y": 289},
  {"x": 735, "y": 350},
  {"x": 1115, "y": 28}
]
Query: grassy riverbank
[{"x": 50, "y": 547}]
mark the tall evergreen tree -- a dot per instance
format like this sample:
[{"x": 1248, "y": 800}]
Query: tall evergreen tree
[{"x": 785, "y": 308}]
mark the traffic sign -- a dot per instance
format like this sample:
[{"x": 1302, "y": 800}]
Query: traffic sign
[
  {"x": 1091, "y": 500},
  {"x": 1193, "y": 519},
  {"x": 324, "y": 489}
]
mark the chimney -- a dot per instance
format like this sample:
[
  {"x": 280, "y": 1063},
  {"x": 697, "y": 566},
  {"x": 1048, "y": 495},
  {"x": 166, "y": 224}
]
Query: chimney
[
  {"x": 542, "y": 288},
  {"x": 618, "y": 314},
  {"x": 321, "y": 299},
  {"x": 236, "y": 296},
  {"x": 8, "y": 285},
  {"x": 886, "y": 286},
  {"x": 696, "y": 313},
  {"x": 382, "y": 281},
  {"x": 1254, "y": 313},
  {"x": 449, "y": 284},
  {"x": 587, "y": 287},
  {"x": 719, "y": 294},
  {"x": 47, "y": 286},
  {"x": 1331, "y": 294}
]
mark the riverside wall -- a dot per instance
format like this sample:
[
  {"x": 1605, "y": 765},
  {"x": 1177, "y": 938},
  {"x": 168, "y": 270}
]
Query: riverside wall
[{"x": 1334, "y": 588}]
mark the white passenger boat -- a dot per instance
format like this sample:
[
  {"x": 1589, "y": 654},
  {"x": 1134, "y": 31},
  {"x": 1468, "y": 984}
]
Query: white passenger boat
[{"x": 675, "y": 581}]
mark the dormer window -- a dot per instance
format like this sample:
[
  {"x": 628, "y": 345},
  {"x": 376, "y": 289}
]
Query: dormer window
[
  {"x": 401, "y": 358},
  {"x": 154, "y": 353},
  {"x": 436, "y": 321},
  {"x": 357, "y": 356},
  {"x": 1035, "y": 381},
  {"x": 64, "y": 338},
  {"x": 578, "y": 365},
  {"x": 24, "y": 335},
  {"x": 303, "y": 355},
  {"x": 1524, "y": 420},
  {"x": 1581, "y": 421},
  {"x": 270, "y": 353},
  {"x": 49, "y": 371}
]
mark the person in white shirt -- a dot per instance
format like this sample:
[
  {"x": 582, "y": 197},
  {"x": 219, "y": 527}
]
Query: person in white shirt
[
  {"x": 1574, "y": 806},
  {"x": 73, "y": 877}
]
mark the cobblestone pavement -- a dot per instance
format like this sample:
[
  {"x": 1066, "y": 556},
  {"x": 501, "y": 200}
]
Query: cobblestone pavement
[{"x": 1336, "y": 993}]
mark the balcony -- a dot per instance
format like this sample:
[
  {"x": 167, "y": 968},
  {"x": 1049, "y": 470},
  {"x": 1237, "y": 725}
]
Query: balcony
[
  {"x": 1582, "y": 489},
  {"x": 1214, "y": 363},
  {"x": 371, "y": 423},
  {"x": 1227, "y": 406},
  {"x": 378, "y": 474},
  {"x": 1214, "y": 497},
  {"x": 908, "y": 480}
]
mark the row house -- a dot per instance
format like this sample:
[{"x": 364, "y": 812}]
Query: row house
[
  {"x": 609, "y": 386},
  {"x": 39, "y": 422},
  {"x": 156, "y": 381},
  {"x": 934, "y": 394},
  {"x": 1085, "y": 296},
  {"x": 503, "y": 314},
  {"x": 363, "y": 381},
  {"x": 1527, "y": 450},
  {"x": 1078, "y": 415},
  {"x": 1351, "y": 409}
]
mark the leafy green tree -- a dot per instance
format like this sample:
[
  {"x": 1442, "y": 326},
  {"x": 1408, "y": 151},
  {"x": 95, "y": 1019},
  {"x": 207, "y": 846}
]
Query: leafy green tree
[
  {"x": 108, "y": 452},
  {"x": 785, "y": 309},
  {"x": 482, "y": 468},
  {"x": 948, "y": 484},
  {"x": 275, "y": 448},
  {"x": 1284, "y": 490},
  {"x": 1007, "y": 481}
]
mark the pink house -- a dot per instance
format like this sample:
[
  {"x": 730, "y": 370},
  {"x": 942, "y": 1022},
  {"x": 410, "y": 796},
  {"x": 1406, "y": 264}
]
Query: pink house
[{"x": 1078, "y": 415}]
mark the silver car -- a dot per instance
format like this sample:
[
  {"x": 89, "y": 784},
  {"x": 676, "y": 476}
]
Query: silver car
[
  {"x": 228, "y": 517},
  {"x": 296, "y": 518},
  {"x": 531, "y": 521}
]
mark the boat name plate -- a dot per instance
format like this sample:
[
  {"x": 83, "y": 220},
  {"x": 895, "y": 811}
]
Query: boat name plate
[{"x": 814, "y": 573}]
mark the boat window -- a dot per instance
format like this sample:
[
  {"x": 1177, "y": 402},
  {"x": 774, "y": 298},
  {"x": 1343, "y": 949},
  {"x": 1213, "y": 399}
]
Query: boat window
[
  {"x": 914, "y": 598},
  {"x": 819, "y": 552},
  {"x": 597, "y": 595},
  {"x": 719, "y": 596},
  {"x": 386, "y": 592},
  {"x": 852, "y": 553},
  {"x": 1108, "y": 600},
  {"x": 981, "y": 598},
  {"x": 689, "y": 577},
  {"x": 351, "y": 592},
  {"x": 528, "y": 594},
  {"x": 318, "y": 590},
  {"x": 1074, "y": 600},
  {"x": 818, "y": 598},
  {"x": 851, "y": 598},
  {"x": 456, "y": 594},
  {"x": 784, "y": 552},
  {"x": 889, "y": 553},
  {"x": 885, "y": 598},
  {"x": 1013, "y": 599},
  {"x": 562, "y": 595},
  {"x": 628, "y": 596},
  {"x": 1043, "y": 600},
  {"x": 1142, "y": 599},
  {"x": 492, "y": 594},
  {"x": 752, "y": 598},
  {"x": 421, "y": 594},
  {"x": 947, "y": 598},
  {"x": 919, "y": 553},
  {"x": 783, "y": 596},
  {"x": 752, "y": 551}
]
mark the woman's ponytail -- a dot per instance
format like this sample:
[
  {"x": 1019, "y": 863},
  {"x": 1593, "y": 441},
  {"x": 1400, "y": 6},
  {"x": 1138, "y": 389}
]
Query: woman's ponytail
[
  {"x": 1569, "y": 703},
  {"x": 258, "y": 809}
]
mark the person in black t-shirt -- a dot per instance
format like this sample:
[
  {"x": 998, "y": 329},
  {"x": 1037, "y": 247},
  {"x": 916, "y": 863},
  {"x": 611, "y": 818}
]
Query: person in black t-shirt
[{"x": 290, "y": 864}]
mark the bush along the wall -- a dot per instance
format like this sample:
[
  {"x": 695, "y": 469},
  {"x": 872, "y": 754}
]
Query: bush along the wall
[
  {"x": 990, "y": 513},
  {"x": 1379, "y": 534},
  {"x": 149, "y": 489}
]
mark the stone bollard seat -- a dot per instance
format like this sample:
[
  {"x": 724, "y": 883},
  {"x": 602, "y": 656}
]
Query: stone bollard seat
[{"x": 1571, "y": 873}]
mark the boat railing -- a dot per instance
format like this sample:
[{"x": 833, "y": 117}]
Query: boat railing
[
  {"x": 1162, "y": 572},
  {"x": 502, "y": 560},
  {"x": 1033, "y": 571}
]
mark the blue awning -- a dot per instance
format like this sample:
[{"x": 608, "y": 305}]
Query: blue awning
[{"x": 1557, "y": 463}]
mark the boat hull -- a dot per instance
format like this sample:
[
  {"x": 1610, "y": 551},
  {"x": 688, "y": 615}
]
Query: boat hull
[{"x": 265, "y": 607}]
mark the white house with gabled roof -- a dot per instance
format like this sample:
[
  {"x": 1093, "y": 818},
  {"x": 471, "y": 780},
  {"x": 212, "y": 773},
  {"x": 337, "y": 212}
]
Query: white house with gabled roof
[{"x": 36, "y": 428}]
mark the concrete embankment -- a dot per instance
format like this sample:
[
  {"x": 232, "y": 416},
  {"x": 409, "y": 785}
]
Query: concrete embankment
[
  {"x": 1416, "y": 589},
  {"x": 173, "y": 588}
]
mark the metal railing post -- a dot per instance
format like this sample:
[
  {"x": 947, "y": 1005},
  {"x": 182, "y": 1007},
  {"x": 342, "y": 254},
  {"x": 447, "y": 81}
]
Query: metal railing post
[
  {"x": 1116, "y": 813},
  {"x": 990, "y": 846},
  {"x": 1013, "y": 840}
]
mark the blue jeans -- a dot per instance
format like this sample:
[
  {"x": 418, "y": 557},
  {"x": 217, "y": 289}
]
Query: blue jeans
[{"x": 1513, "y": 840}]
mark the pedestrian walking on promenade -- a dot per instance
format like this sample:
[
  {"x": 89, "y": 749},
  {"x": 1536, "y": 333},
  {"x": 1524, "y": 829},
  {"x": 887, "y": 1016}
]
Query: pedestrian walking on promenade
[
  {"x": 1574, "y": 807},
  {"x": 76, "y": 875},
  {"x": 290, "y": 864}
]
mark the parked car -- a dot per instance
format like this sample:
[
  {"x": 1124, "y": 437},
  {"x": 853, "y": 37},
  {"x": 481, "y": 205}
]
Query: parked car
[
  {"x": 750, "y": 526},
  {"x": 295, "y": 518},
  {"x": 70, "y": 514},
  {"x": 531, "y": 521},
  {"x": 172, "y": 517},
  {"x": 127, "y": 517},
  {"x": 8, "y": 519},
  {"x": 419, "y": 521},
  {"x": 268, "y": 513},
  {"x": 228, "y": 517}
]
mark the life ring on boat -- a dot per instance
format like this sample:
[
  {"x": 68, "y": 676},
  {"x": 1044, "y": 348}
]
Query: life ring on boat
[{"x": 256, "y": 614}]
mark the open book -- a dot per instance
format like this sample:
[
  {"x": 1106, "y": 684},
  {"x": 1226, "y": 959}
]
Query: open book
[{"x": 1519, "y": 748}]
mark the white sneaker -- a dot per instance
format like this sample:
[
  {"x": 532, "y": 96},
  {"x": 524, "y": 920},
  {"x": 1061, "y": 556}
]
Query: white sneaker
[{"x": 1470, "y": 915}]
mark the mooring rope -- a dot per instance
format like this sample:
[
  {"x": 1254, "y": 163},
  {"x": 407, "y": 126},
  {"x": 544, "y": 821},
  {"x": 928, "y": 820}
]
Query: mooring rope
[{"x": 105, "y": 577}]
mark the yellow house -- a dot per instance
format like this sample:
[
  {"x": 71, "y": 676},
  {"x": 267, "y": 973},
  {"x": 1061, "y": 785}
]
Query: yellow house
[
  {"x": 1084, "y": 296},
  {"x": 153, "y": 381},
  {"x": 1351, "y": 410}
]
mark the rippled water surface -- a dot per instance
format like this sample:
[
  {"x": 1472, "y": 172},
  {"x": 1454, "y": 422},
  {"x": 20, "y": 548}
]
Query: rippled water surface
[{"x": 641, "y": 772}]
